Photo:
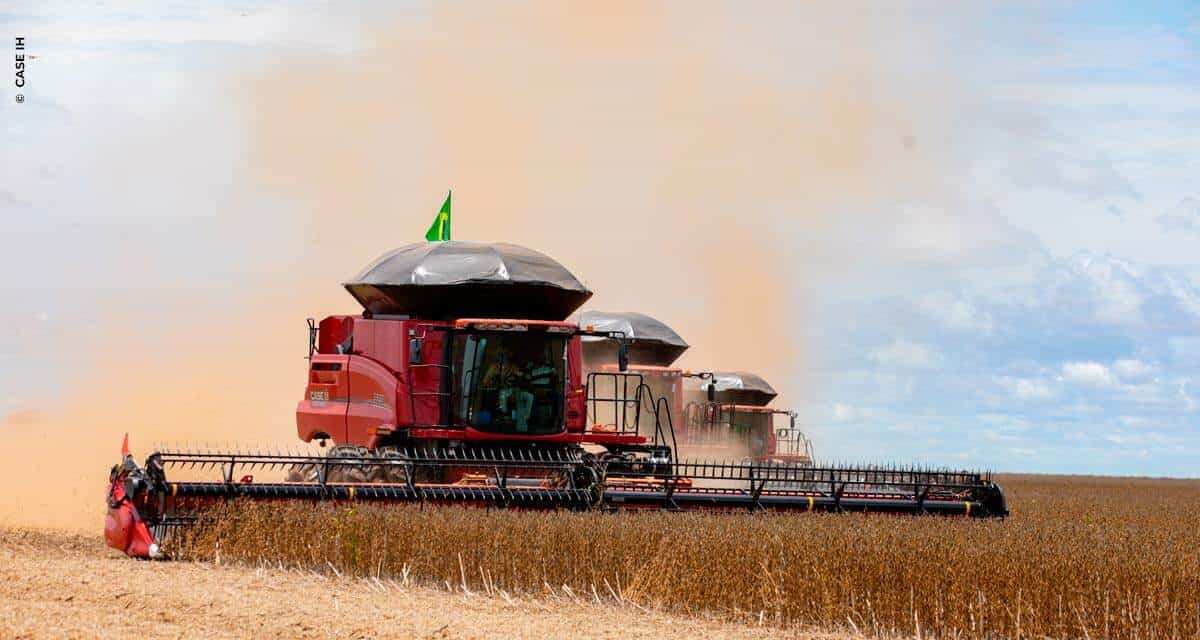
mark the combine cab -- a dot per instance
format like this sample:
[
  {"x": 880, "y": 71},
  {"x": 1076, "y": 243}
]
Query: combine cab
[
  {"x": 721, "y": 414},
  {"x": 424, "y": 403},
  {"x": 759, "y": 434},
  {"x": 727, "y": 415}
]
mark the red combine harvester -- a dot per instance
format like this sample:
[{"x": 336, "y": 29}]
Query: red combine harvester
[
  {"x": 736, "y": 411},
  {"x": 724, "y": 414},
  {"x": 462, "y": 383}
]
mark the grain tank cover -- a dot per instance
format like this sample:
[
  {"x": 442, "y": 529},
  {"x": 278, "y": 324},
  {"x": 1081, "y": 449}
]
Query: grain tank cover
[
  {"x": 742, "y": 387},
  {"x": 457, "y": 279},
  {"x": 651, "y": 342}
]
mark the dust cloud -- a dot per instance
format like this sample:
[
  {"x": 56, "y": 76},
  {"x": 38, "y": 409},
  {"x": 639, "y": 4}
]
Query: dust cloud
[
  {"x": 684, "y": 163},
  {"x": 665, "y": 173}
]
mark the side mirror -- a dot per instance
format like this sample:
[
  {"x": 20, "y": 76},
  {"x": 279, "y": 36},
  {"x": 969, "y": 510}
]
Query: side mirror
[
  {"x": 414, "y": 350},
  {"x": 313, "y": 331},
  {"x": 623, "y": 356}
]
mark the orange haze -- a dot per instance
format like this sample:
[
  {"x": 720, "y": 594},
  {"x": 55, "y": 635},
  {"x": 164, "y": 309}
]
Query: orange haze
[{"x": 670, "y": 160}]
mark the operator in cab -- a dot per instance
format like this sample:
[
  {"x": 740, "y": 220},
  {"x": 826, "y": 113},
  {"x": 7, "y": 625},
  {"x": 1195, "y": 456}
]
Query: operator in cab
[
  {"x": 544, "y": 386},
  {"x": 514, "y": 402}
]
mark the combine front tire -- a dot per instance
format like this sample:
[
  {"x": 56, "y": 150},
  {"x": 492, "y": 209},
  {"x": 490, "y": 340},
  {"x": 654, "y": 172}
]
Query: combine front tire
[
  {"x": 390, "y": 466},
  {"x": 340, "y": 467},
  {"x": 346, "y": 464},
  {"x": 301, "y": 473}
]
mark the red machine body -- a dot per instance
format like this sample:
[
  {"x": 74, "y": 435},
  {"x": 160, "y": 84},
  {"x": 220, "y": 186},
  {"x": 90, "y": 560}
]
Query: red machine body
[
  {"x": 124, "y": 529},
  {"x": 377, "y": 381}
]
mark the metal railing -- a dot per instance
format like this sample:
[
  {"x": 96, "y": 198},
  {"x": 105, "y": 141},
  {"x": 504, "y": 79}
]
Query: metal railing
[
  {"x": 620, "y": 401},
  {"x": 642, "y": 402}
]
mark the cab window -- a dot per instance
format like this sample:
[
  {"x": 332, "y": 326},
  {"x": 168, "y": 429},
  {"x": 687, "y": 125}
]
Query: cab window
[{"x": 510, "y": 382}]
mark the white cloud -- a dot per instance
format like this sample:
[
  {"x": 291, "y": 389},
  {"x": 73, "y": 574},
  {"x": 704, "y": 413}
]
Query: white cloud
[
  {"x": 1087, "y": 174},
  {"x": 1000, "y": 435},
  {"x": 1184, "y": 216},
  {"x": 1132, "y": 421},
  {"x": 1184, "y": 349},
  {"x": 1091, "y": 288},
  {"x": 1189, "y": 404},
  {"x": 1181, "y": 291},
  {"x": 904, "y": 354},
  {"x": 846, "y": 413},
  {"x": 956, "y": 314},
  {"x": 1088, "y": 373},
  {"x": 1111, "y": 291},
  {"x": 1006, "y": 421},
  {"x": 1141, "y": 437},
  {"x": 1031, "y": 389},
  {"x": 1027, "y": 388},
  {"x": 1114, "y": 284},
  {"x": 1132, "y": 370},
  {"x": 1102, "y": 94}
]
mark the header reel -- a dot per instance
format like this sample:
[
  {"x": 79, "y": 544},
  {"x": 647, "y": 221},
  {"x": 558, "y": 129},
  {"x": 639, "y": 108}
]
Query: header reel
[{"x": 145, "y": 505}]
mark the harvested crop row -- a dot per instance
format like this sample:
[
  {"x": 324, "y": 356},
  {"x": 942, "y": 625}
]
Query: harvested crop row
[{"x": 1095, "y": 558}]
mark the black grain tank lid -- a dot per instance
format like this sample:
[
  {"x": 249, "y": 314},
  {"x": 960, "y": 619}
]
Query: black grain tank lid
[
  {"x": 458, "y": 279},
  {"x": 650, "y": 340},
  {"x": 742, "y": 387}
]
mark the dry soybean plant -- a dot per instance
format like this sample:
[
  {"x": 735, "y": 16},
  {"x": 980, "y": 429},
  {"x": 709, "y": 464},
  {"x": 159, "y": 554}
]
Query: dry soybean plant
[{"x": 1080, "y": 558}]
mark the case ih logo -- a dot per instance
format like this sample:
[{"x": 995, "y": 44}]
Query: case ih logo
[{"x": 20, "y": 65}]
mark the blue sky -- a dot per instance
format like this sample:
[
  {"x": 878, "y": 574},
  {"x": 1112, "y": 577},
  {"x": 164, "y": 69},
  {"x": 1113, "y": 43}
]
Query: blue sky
[
  {"x": 1067, "y": 339},
  {"x": 1036, "y": 308}
]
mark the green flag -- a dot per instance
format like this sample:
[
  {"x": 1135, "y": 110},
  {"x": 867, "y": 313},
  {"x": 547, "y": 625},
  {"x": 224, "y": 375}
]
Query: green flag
[{"x": 440, "y": 229}]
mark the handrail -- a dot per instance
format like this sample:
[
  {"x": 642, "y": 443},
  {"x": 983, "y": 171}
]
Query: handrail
[
  {"x": 643, "y": 397},
  {"x": 621, "y": 401},
  {"x": 662, "y": 400}
]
